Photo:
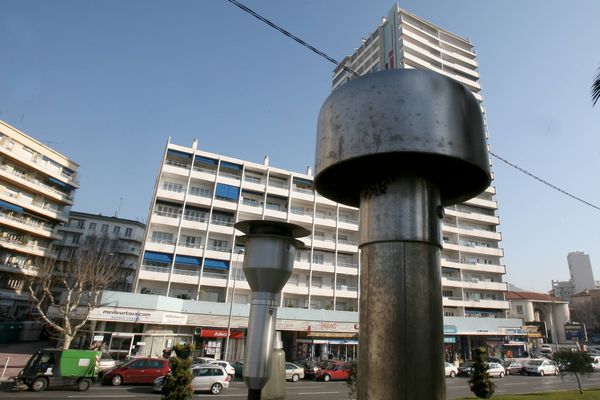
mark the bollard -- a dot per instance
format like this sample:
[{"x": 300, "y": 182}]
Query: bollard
[
  {"x": 275, "y": 388},
  {"x": 268, "y": 263},
  {"x": 400, "y": 145}
]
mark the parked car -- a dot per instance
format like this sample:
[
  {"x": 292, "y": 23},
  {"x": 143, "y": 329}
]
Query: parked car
[
  {"x": 310, "y": 367},
  {"x": 451, "y": 370},
  {"x": 495, "y": 369},
  {"x": 105, "y": 362},
  {"x": 140, "y": 370},
  {"x": 202, "y": 360},
  {"x": 334, "y": 371},
  {"x": 238, "y": 366},
  {"x": 293, "y": 372},
  {"x": 541, "y": 367},
  {"x": 466, "y": 368},
  {"x": 226, "y": 366},
  {"x": 209, "y": 377},
  {"x": 515, "y": 368},
  {"x": 596, "y": 363}
]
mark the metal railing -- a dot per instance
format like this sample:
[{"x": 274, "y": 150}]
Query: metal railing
[
  {"x": 205, "y": 170},
  {"x": 36, "y": 182},
  {"x": 229, "y": 175},
  {"x": 34, "y": 224}
]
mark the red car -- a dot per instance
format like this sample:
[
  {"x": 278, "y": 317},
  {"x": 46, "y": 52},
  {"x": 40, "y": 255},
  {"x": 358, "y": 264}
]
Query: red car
[
  {"x": 334, "y": 371},
  {"x": 140, "y": 370}
]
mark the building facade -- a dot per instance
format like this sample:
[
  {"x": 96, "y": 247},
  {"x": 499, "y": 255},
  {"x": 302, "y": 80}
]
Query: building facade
[
  {"x": 37, "y": 185},
  {"x": 472, "y": 270},
  {"x": 581, "y": 277},
  {"x": 548, "y": 314},
  {"x": 115, "y": 235}
]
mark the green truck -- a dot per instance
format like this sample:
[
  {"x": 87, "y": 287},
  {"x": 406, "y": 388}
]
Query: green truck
[{"x": 54, "y": 368}]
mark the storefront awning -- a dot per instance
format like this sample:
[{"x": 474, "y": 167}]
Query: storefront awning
[
  {"x": 186, "y": 260},
  {"x": 158, "y": 257},
  {"x": 11, "y": 207},
  {"x": 215, "y": 264}
]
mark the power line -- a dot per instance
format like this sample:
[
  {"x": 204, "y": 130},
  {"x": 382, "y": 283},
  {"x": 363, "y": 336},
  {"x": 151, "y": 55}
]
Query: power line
[
  {"x": 290, "y": 35},
  {"x": 544, "y": 181},
  {"x": 334, "y": 61}
]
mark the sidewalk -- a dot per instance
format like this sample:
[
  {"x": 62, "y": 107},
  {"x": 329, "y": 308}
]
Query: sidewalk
[{"x": 17, "y": 354}]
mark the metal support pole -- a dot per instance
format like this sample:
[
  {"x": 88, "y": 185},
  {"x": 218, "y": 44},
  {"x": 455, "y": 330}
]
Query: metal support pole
[
  {"x": 235, "y": 269},
  {"x": 5, "y": 366},
  {"x": 401, "y": 302}
]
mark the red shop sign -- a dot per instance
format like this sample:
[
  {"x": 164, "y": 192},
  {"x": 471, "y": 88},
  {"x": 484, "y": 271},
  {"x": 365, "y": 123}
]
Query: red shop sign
[{"x": 216, "y": 333}]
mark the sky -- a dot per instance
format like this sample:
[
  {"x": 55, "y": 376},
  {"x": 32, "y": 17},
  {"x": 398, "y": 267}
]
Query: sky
[{"x": 106, "y": 83}]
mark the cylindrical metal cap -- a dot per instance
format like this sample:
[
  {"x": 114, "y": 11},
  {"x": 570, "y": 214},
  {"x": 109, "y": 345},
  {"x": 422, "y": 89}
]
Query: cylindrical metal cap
[{"x": 381, "y": 124}]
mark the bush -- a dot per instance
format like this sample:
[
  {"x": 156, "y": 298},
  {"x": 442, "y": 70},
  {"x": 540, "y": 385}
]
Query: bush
[
  {"x": 480, "y": 383},
  {"x": 177, "y": 382}
]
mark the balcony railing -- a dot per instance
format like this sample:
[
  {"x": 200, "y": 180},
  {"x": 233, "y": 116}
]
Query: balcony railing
[
  {"x": 194, "y": 218},
  {"x": 33, "y": 224},
  {"x": 347, "y": 288},
  {"x": 251, "y": 179},
  {"x": 302, "y": 190},
  {"x": 219, "y": 248},
  {"x": 205, "y": 170},
  {"x": 21, "y": 243},
  {"x": 277, "y": 184},
  {"x": 36, "y": 182},
  {"x": 177, "y": 164},
  {"x": 162, "y": 241},
  {"x": 231, "y": 176},
  {"x": 221, "y": 222},
  {"x": 191, "y": 245},
  {"x": 347, "y": 265}
]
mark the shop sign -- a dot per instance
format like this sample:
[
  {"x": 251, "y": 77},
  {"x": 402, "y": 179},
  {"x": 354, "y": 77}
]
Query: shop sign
[
  {"x": 535, "y": 329},
  {"x": 513, "y": 331},
  {"x": 575, "y": 332},
  {"x": 330, "y": 334},
  {"x": 217, "y": 333},
  {"x": 303, "y": 325},
  {"x": 450, "y": 329},
  {"x": 125, "y": 315},
  {"x": 515, "y": 343},
  {"x": 98, "y": 338},
  {"x": 449, "y": 339},
  {"x": 174, "y": 318}
]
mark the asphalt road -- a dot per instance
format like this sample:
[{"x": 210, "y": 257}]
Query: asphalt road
[{"x": 309, "y": 390}]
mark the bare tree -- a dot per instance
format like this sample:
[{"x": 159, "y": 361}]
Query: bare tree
[{"x": 73, "y": 288}]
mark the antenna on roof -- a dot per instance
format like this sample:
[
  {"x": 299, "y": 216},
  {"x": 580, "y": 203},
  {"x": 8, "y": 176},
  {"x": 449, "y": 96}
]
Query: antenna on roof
[{"x": 119, "y": 209}]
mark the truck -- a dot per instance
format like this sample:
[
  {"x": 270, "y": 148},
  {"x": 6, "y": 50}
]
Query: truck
[{"x": 59, "y": 368}]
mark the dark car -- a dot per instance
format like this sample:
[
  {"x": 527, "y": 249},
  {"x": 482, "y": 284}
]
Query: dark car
[
  {"x": 465, "y": 369},
  {"x": 515, "y": 368},
  {"x": 139, "y": 370},
  {"x": 310, "y": 367}
]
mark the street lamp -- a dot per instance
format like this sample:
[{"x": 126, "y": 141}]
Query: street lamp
[{"x": 235, "y": 269}]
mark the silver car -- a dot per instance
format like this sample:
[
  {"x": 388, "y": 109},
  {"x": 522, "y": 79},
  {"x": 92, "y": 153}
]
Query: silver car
[
  {"x": 211, "y": 378},
  {"x": 293, "y": 372},
  {"x": 542, "y": 367}
]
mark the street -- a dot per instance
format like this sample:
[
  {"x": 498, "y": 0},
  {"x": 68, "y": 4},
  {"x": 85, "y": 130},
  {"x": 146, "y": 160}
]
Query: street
[{"x": 455, "y": 388}]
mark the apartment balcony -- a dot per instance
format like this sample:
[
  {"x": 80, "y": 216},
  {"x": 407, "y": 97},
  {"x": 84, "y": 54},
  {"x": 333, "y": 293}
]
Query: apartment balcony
[
  {"x": 254, "y": 184},
  {"x": 170, "y": 220},
  {"x": 347, "y": 246},
  {"x": 472, "y": 216},
  {"x": 195, "y": 223},
  {"x": 495, "y": 304},
  {"x": 34, "y": 228},
  {"x": 36, "y": 162},
  {"x": 204, "y": 174},
  {"x": 24, "y": 247},
  {"x": 475, "y": 201},
  {"x": 304, "y": 194},
  {"x": 169, "y": 195},
  {"x": 174, "y": 168},
  {"x": 345, "y": 291},
  {"x": 34, "y": 184},
  {"x": 423, "y": 64},
  {"x": 214, "y": 279},
  {"x": 426, "y": 38},
  {"x": 161, "y": 246},
  {"x": 472, "y": 232},
  {"x": 296, "y": 288},
  {"x": 28, "y": 270},
  {"x": 217, "y": 252},
  {"x": 279, "y": 189},
  {"x": 280, "y": 214},
  {"x": 474, "y": 249},
  {"x": 467, "y": 283},
  {"x": 161, "y": 274},
  {"x": 251, "y": 208},
  {"x": 302, "y": 217},
  {"x": 45, "y": 209},
  {"x": 224, "y": 227},
  {"x": 347, "y": 269},
  {"x": 328, "y": 267},
  {"x": 195, "y": 200},
  {"x": 302, "y": 264},
  {"x": 324, "y": 243},
  {"x": 229, "y": 179},
  {"x": 325, "y": 291},
  {"x": 225, "y": 205},
  {"x": 325, "y": 220},
  {"x": 478, "y": 267}
]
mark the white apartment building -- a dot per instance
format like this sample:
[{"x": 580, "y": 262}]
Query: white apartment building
[
  {"x": 37, "y": 185},
  {"x": 581, "y": 277},
  {"x": 471, "y": 260},
  {"x": 190, "y": 250},
  {"x": 120, "y": 236}
]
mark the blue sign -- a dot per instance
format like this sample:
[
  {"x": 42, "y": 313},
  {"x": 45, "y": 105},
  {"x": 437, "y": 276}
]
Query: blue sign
[
  {"x": 449, "y": 339},
  {"x": 575, "y": 332},
  {"x": 450, "y": 329}
]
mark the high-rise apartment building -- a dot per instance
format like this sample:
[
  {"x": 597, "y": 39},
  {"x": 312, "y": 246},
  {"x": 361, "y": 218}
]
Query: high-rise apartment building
[
  {"x": 119, "y": 236},
  {"x": 190, "y": 250},
  {"x": 581, "y": 274},
  {"x": 37, "y": 185},
  {"x": 471, "y": 259}
]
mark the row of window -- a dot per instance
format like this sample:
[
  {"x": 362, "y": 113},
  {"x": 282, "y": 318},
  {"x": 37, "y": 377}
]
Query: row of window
[{"x": 92, "y": 226}]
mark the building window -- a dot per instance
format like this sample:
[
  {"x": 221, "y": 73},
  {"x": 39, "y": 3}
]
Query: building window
[
  {"x": 173, "y": 187},
  {"x": 519, "y": 309},
  {"x": 162, "y": 237},
  {"x": 128, "y": 232},
  {"x": 81, "y": 224},
  {"x": 447, "y": 293},
  {"x": 199, "y": 191},
  {"x": 116, "y": 230},
  {"x": 317, "y": 281},
  {"x": 92, "y": 226},
  {"x": 104, "y": 228},
  {"x": 317, "y": 258}
]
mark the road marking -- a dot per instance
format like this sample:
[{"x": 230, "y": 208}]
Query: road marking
[
  {"x": 102, "y": 396},
  {"x": 320, "y": 393}
]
